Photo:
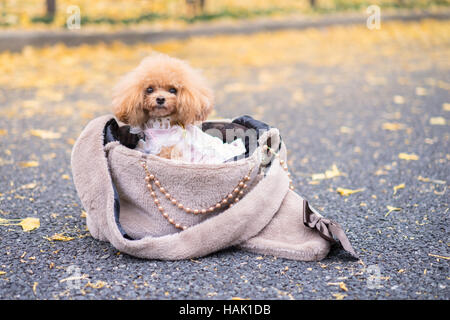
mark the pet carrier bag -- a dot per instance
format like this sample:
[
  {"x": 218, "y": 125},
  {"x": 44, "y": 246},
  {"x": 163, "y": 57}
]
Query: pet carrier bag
[{"x": 156, "y": 208}]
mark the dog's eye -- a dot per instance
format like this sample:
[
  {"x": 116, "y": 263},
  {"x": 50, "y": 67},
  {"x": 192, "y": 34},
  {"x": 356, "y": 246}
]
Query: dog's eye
[
  {"x": 149, "y": 90},
  {"x": 173, "y": 90}
]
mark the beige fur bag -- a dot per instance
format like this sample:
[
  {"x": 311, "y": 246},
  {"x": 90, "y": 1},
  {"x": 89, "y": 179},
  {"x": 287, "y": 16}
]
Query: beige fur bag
[{"x": 267, "y": 218}]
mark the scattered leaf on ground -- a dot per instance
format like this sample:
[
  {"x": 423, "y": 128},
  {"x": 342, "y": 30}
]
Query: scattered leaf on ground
[
  {"x": 3, "y": 132},
  {"x": 59, "y": 237},
  {"x": 398, "y": 187},
  {"x": 27, "y": 224},
  {"x": 31, "y": 185},
  {"x": 98, "y": 285},
  {"x": 390, "y": 208},
  {"x": 421, "y": 91},
  {"x": 298, "y": 96},
  {"x": 35, "y": 284},
  {"x": 339, "y": 296},
  {"x": 446, "y": 106},
  {"x": 341, "y": 285},
  {"x": 28, "y": 164},
  {"x": 408, "y": 156},
  {"x": 45, "y": 134},
  {"x": 438, "y": 121},
  {"x": 439, "y": 256},
  {"x": 399, "y": 100},
  {"x": 346, "y": 192},
  {"x": 393, "y": 126},
  {"x": 345, "y": 129},
  {"x": 420, "y": 178},
  {"x": 328, "y": 174}
]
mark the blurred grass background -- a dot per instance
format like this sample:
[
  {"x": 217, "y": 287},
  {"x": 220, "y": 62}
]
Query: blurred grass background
[{"x": 32, "y": 14}]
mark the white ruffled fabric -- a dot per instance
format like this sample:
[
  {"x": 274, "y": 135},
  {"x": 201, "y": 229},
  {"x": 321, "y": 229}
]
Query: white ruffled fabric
[{"x": 190, "y": 144}]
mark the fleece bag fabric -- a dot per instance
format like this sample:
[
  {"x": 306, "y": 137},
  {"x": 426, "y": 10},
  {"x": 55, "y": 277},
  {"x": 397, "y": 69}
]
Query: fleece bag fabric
[{"x": 269, "y": 218}]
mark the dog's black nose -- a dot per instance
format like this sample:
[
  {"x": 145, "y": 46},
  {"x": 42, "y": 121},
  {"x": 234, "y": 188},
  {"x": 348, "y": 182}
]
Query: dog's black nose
[{"x": 160, "y": 100}]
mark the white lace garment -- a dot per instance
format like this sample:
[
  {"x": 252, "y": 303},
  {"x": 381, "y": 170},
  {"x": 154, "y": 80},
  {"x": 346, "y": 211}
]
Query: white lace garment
[{"x": 190, "y": 144}]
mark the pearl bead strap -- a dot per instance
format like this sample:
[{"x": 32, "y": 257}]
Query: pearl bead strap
[
  {"x": 228, "y": 200},
  {"x": 282, "y": 163}
]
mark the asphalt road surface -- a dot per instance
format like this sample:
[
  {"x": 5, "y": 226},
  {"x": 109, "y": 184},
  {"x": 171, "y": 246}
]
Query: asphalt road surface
[{"x": 372, "y": 107}]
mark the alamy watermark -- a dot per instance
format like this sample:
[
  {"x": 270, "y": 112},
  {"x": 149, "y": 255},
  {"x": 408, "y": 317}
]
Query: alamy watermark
[
  {"x": 73, "y": 281},
  {"x": 73, "y": 21},
  {"x": 374, "y": 277},
  {"x": 373, "y": 22}
]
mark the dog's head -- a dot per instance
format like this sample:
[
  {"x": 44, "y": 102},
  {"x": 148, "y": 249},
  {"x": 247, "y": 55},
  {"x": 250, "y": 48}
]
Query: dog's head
[{"x": 162, "y": 86}]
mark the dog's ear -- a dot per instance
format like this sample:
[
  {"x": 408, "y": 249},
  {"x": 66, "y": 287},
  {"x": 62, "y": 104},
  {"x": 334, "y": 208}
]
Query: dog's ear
[
  {"x": 194, "y": 103},
  {"x": 127, "y": 102}
]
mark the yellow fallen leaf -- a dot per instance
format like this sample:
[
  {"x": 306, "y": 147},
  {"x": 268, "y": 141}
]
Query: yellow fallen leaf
[
  {"x": 31, "y": 185},
  {"x": 339, "y": 296},
  {"x": 3, "y": 132},
  {"x": 380, "y": 172},
  {"x": 341, "y": 285},
  {"x": 407, "y": 156},
  {"x": 98, "y": 285},
  {"x": 397, "y": 187},
  {"x": 333, "y": 172},
  {"x": 2, "y": 273},
  {"x": 35, "y": 284},
  {"x": 29, "y": 224},
  {"x": 239, "y": 298},
  {"x": 421, "y": 91},
  {"x": 420, "y": 178},
  {"x": 318, "y": 176},
  {"x": 83, "y": 214},
  {"x": 401, "y": 271},
  {"x": 438, "y": 121},
  {"x": 44, "y": 134},
  {"x": 29, "y": 164},
  {"x": 439, "y": 256},
  {"x": 399, "y": 100},
  {"x": 446, "y": 106},
  {"x": 65, "y": 177},
  {"x": 346, "y": 192},
  {"x": 345, "y": 129},
  {"x": 49, "y": 156},
  {"x": 390, "y": 208},
  {"x": 59, "y": 237},
  {"x": 393, "y": 126},
  {"x": 3, "y": 222},
  {"x": 298, "y": 96}
]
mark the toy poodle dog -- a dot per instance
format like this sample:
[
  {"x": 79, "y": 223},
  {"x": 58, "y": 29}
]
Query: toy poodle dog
[
  {"x": 162, "y": 86},
  {"x": 161, "y": 100},
  {"x": 162, "y": 89}
]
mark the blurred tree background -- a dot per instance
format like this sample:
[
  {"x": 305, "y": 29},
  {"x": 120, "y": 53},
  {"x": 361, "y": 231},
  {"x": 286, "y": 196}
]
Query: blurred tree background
[{"x": 52, "y": 13}]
